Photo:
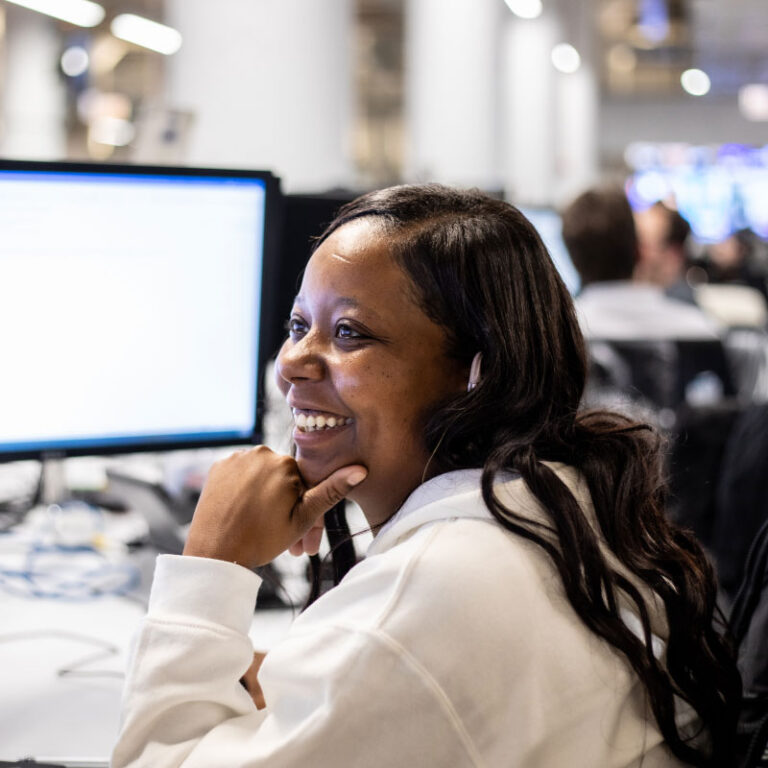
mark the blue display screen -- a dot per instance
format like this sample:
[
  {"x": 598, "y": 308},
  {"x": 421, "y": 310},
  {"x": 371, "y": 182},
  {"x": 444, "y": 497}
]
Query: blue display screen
[{"x": 718, "y": 190}]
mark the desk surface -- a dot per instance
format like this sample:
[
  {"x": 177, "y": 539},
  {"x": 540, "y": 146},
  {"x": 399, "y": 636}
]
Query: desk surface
[{"x": 44, "y": 714}]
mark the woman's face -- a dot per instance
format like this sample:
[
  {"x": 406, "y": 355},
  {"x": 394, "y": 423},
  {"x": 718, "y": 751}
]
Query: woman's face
[{"x": 361, "y": 369}]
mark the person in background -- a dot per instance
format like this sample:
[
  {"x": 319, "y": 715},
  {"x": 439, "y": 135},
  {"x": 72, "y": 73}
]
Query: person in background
[
  {"x": 663, "y": 256},
  {"x": 599, "y": 233},
  {"x": 732, "y": 262},
  {"x": 525, "y": 601}
]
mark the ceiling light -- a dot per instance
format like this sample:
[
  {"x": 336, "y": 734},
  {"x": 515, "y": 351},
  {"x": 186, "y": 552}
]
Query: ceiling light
[
  {"x": 146, "y": 33},
  {"x": 525, "y": 9},
  {"x": 565, "y": 58},
  {"x": 82, "y": 13},
  {"x": 74, "y": 61},
  {"x": 695, "y": 81},
  {"x": 753, "y": 101}
]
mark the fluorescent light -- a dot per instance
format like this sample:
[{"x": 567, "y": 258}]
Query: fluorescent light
[
  {"x": 565, "y": 58},
  {"x": 695, "y": 81},
  {"x": 146, "y": 33},
  {"x": 525, "y": 9},
  {"x": 82, "y": 13}
]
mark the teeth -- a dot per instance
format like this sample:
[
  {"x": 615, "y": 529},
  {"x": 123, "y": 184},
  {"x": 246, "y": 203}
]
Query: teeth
[{"x": 312, "y": 423}]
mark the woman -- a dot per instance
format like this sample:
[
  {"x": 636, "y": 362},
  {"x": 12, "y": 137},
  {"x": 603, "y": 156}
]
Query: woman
[{"x": 524, "y": 601}]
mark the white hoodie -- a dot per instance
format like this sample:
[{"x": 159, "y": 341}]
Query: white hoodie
[{"x": 451, "y": 644}]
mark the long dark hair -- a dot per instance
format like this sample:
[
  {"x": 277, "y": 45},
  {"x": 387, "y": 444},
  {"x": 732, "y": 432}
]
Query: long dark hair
[{"x": 480, "y": 270}]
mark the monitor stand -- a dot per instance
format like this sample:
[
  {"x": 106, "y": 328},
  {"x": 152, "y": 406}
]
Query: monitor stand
[{"x": 53, "y": 484}]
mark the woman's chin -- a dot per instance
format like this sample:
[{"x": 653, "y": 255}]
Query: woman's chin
[{"x": 314, "y": 470}]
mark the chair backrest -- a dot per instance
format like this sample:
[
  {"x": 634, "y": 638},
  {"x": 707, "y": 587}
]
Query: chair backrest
[
  {"x": 747, "y": 351},
  {"x": 665, "y": 372},
  {"x": 749, "y": 625},
  {"x": 741, "y": 502}
]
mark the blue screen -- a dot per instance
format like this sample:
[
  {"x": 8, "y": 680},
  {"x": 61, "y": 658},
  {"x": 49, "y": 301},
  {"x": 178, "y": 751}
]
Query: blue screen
[
  {"x": 719, "y": 190},
  {"x": 130, "y": 308},
  {"x": 549, "y": 227}
]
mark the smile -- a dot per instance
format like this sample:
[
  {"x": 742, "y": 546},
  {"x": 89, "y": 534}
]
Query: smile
[{"x": 316, "y": 421}]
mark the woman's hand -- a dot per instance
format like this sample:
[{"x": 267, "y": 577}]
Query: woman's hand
[
  {"x": 254, "y": 505},
  {"x": 251, "y": 680}
]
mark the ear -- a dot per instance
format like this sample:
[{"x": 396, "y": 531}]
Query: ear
[{"x": 474, "y": 371}]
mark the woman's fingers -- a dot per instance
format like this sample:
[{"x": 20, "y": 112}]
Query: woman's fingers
[
  {"x": 309, "y": 543},
  {"x": 254, "y": 505},
  {"x": 297, "y": 548},
  {"x": 317, "y": 500},
  {"x": 312, "y": 539},
  {"x": 251, "y": 680}
]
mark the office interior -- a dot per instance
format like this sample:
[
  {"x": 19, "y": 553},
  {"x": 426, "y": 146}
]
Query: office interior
[{"x": 265, "y": 118}]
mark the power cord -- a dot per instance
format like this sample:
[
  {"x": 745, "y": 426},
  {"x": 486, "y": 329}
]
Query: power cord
[{"x": 74, "y": 668}]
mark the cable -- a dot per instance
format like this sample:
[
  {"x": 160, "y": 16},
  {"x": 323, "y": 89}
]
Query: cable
[
  {"x": 65, "y": 562},
  {"x": 77, "y": 579},
  {"x": 74, "y": 668}
]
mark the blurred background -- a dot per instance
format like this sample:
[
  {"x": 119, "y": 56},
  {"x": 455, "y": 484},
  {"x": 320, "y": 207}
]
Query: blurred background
[
  {"x": 534, "y": 101},
  {"x": 535, "y": 98}
]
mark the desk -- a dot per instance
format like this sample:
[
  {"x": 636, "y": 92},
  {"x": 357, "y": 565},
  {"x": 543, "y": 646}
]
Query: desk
[{"x": 43, "y": 714}]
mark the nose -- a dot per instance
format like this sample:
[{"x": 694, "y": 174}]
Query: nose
[{"x": 299, "y": 361}]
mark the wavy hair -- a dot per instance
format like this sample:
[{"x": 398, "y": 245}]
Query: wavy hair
[{"x": 480, "y": 270}]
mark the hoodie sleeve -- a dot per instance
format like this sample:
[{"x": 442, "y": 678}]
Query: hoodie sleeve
[{"x": 335, "y": 695}]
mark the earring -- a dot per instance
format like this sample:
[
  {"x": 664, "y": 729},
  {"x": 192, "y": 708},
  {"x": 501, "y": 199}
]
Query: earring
[{"x": 474, "y": 371}]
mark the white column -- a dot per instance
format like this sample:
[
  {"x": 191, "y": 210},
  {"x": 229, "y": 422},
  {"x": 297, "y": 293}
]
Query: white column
[
  {"x": 269, "y": 84},
  {"x": 578, "y": 106},
  {"x": 529, "y": 127},
  {"x": 34, "y": 96},
  {"x": 550, "y": 119},
  {"x": 577, "y": 145},
  {"x": 451, "y": 64}
]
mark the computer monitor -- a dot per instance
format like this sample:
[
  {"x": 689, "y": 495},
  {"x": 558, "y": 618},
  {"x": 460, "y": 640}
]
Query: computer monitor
[
  {"x": 133, "y": 301},
  {"x": 304, "y": 219},
  {"x": 550, "y": 228}
]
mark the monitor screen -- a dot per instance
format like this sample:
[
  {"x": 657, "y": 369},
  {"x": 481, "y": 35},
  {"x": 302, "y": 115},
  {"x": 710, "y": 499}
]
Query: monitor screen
[
  {"x": 718, "y": 189},
  {"x": 131, "y": 307},
  {"x": 549, "y": 226}
]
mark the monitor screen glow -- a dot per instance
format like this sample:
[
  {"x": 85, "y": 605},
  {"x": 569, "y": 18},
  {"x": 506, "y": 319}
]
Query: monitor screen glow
[
  {"x": 130, "y": 309},
  {"x": 550, "y": 228}
]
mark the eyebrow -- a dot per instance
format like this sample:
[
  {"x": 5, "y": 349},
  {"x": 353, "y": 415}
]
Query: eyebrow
[{"x": 344, "y": 301}]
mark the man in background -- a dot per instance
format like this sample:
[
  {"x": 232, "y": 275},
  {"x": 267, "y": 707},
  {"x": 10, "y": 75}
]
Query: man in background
[
  {"x": 599, "y": 233},
  {"x": 662, "y": 235}
]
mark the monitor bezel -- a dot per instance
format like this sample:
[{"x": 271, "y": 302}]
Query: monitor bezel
[{"x": 267, "y": 320}]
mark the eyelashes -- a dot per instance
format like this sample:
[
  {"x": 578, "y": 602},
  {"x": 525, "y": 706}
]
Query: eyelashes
[
  {"x": 347, "y": 332},
  {"x": 297, "y": 327}
]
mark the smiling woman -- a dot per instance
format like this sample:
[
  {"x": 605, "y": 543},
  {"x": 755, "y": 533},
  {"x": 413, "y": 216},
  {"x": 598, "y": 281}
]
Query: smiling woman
[
  {"x": 362, "y": 351},
  {"x": 524, "y": 602}
]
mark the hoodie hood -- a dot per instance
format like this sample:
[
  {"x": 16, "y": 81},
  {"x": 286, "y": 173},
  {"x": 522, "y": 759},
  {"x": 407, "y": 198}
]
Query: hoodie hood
[{"x": 449, "y": 496}]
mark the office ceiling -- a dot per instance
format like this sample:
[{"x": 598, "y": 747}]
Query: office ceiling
[
  {"x": 730, "y": 41},
  {"x": 648, "y": 43}
]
